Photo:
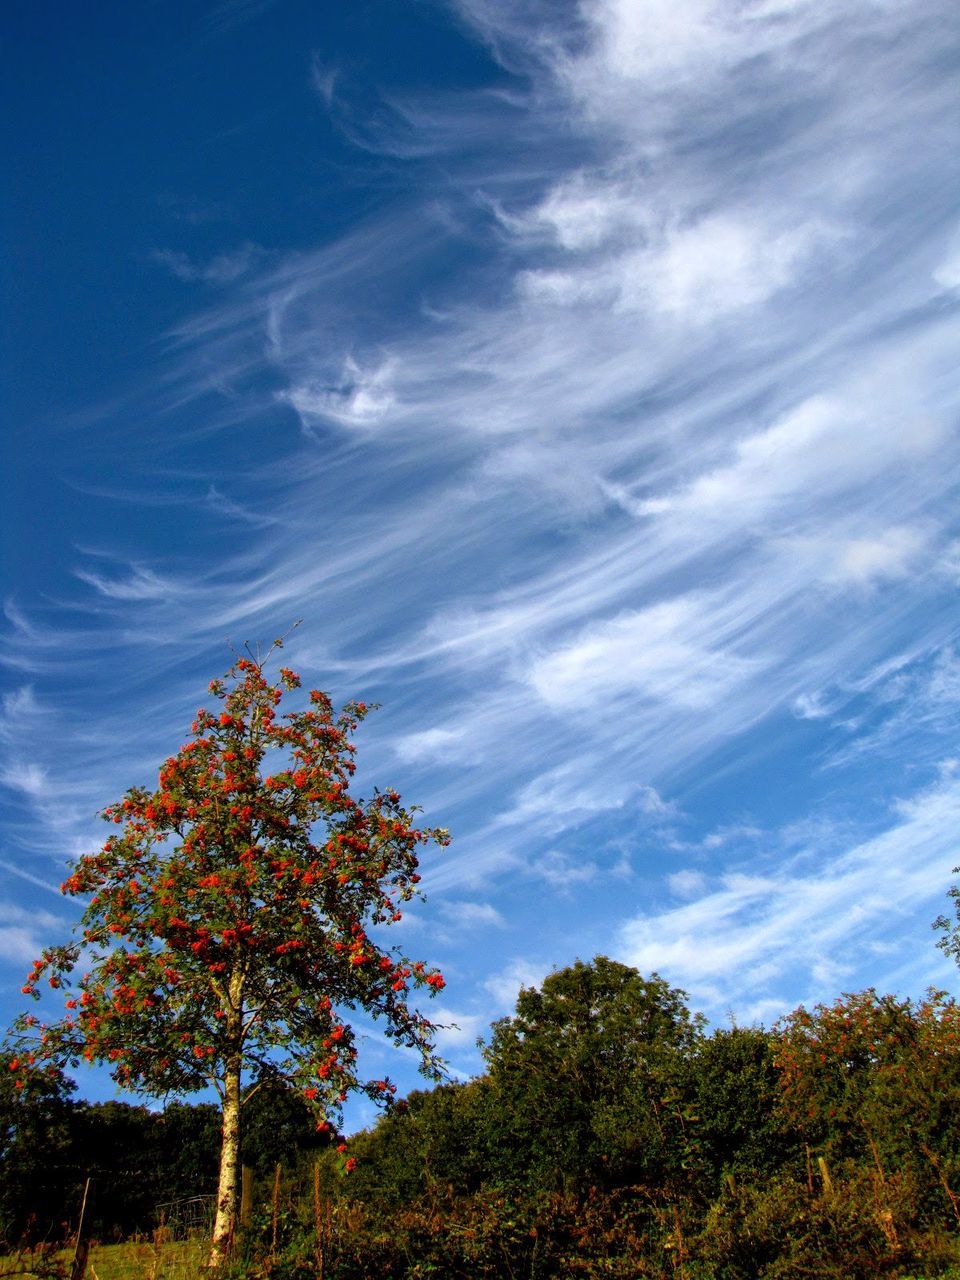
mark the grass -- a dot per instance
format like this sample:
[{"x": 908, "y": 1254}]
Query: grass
[{"x": 174, "y": 1260}]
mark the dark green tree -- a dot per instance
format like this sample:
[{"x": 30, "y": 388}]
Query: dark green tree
[
  {"x": 435, "y": 1146},
  {"x": 734, "y": 1090},
  {"x": 279, "y": 1128},
  {"x": 37, "y": 1180},
  {"x": 586, "y": 1079},
  {"x": 188, "y": 1138}
]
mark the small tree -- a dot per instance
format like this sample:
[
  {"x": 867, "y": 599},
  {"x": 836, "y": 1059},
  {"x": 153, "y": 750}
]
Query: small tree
[{"x": 228, "y": 927}]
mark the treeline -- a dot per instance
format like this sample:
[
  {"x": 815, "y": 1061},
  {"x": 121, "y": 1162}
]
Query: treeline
[
  {"x": 609, "y": 1136},
  {"x": 137, "y": 1160}
]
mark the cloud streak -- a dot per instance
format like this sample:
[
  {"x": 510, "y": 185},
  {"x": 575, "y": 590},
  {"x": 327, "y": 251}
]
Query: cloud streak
[
  {"x": 615, "y": 452},
  {"x": 805, "y": 921}
]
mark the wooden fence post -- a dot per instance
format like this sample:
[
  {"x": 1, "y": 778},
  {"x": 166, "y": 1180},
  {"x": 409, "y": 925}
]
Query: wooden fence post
[
  {"x": 81, "y": 1248},
  {"x": 246, "y": 1196},
  {"x": 275, "y": 1207}
]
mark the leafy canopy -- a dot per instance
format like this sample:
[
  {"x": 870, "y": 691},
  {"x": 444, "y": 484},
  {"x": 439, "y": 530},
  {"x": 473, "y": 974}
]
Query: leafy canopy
[{"x": 228, "y": 917}]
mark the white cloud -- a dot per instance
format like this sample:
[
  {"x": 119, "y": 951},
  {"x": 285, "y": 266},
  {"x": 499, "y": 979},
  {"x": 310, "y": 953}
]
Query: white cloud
[
  {"x": 810, "y": 706},
  {"x": 846, "y": 552},
  {"x": 687, "y": 884},
  {"x": 22, "y": 933},
  {"x": 718, "y": 265},
  {"x": 49, "y": 885},
  {"x": 219, "y": 502},
  {"x": 431, "y": 745},
  {"x": 140, "y": 583},
  {"x": 563, "y": 871},
  {"x": 458, "y": 1030},
  {"x": 19, "y": 944},
  {"x": 473, "y": 915},
  {"x": 19, "y": 712},
  {"x": 891, "y": 554},
  {"x": 694, "y": 272},
  {"x": 817, "y": 446},
  {"x": 737, "y": 832},
  {"x": 20, "y": 703},
  {"x": 570, "y": 793},
  {"x": 505, "y": 985},
  {"x": 584, "y": 211},
  {"x": 659, "y": 652},
  {"x": 29, "y": 778},
  {"x": 657, "y": 37},
  {"x": 949, "y": 561},
  {"x": 358, "y": 398},
  {"x": 947, "y": 272},
  {"x": 323, "y": 78},
  {"x": 757, "y": 930},
  {"x": 223, "y": 269},
  {"x": 689, "y": 50}
]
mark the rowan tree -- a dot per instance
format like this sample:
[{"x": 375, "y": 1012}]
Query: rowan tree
[{"x": 227, "y": 930}]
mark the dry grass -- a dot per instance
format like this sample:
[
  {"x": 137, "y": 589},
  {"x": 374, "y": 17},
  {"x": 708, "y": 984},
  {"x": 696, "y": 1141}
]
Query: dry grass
[{"x": 173, "y": 1260}]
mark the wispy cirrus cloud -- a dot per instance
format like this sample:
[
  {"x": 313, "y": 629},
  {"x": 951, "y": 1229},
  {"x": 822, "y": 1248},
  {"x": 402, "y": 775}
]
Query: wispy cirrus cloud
[
  {"x": 805, "y": 921},
  {"x": 615, "y": 451},
  {"x": 29, "y": 778},
  {"x": 141, "y": 583},
  {"x": 22, "y": 933},
  {"x": 221, "y": 269},
  {"x": 472, "y": 915},
  {"x": 947, "y": 272}
]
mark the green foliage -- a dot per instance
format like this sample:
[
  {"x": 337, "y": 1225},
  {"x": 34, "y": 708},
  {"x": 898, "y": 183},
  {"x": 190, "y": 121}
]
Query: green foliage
[
  {"x": 858, "y": 1228},
  {"x": 585, "y": 1080},
  {"x": 437, "y": 1145},
  {"x": 135, "y": 1158},
  {"x": 491, "y": 1234},
  {"x": 876, "y": 1080},
  {"x": 278, "y": 1128},
  {"x": 734, "y": 1089},
  {"x": 35, "y": 1138},
  {"x": 188, "y": 1148},
  {"x": 610, "y": 1137},
  {"x": 138, "y": 1159}
]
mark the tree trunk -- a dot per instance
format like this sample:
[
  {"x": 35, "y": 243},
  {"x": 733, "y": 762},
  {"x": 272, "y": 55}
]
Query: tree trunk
[{"x": 225, "y": 1224}]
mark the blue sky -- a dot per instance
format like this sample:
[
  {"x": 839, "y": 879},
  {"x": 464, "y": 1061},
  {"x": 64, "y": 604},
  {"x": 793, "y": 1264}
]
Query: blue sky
[{"x": 585, "y": 376}]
